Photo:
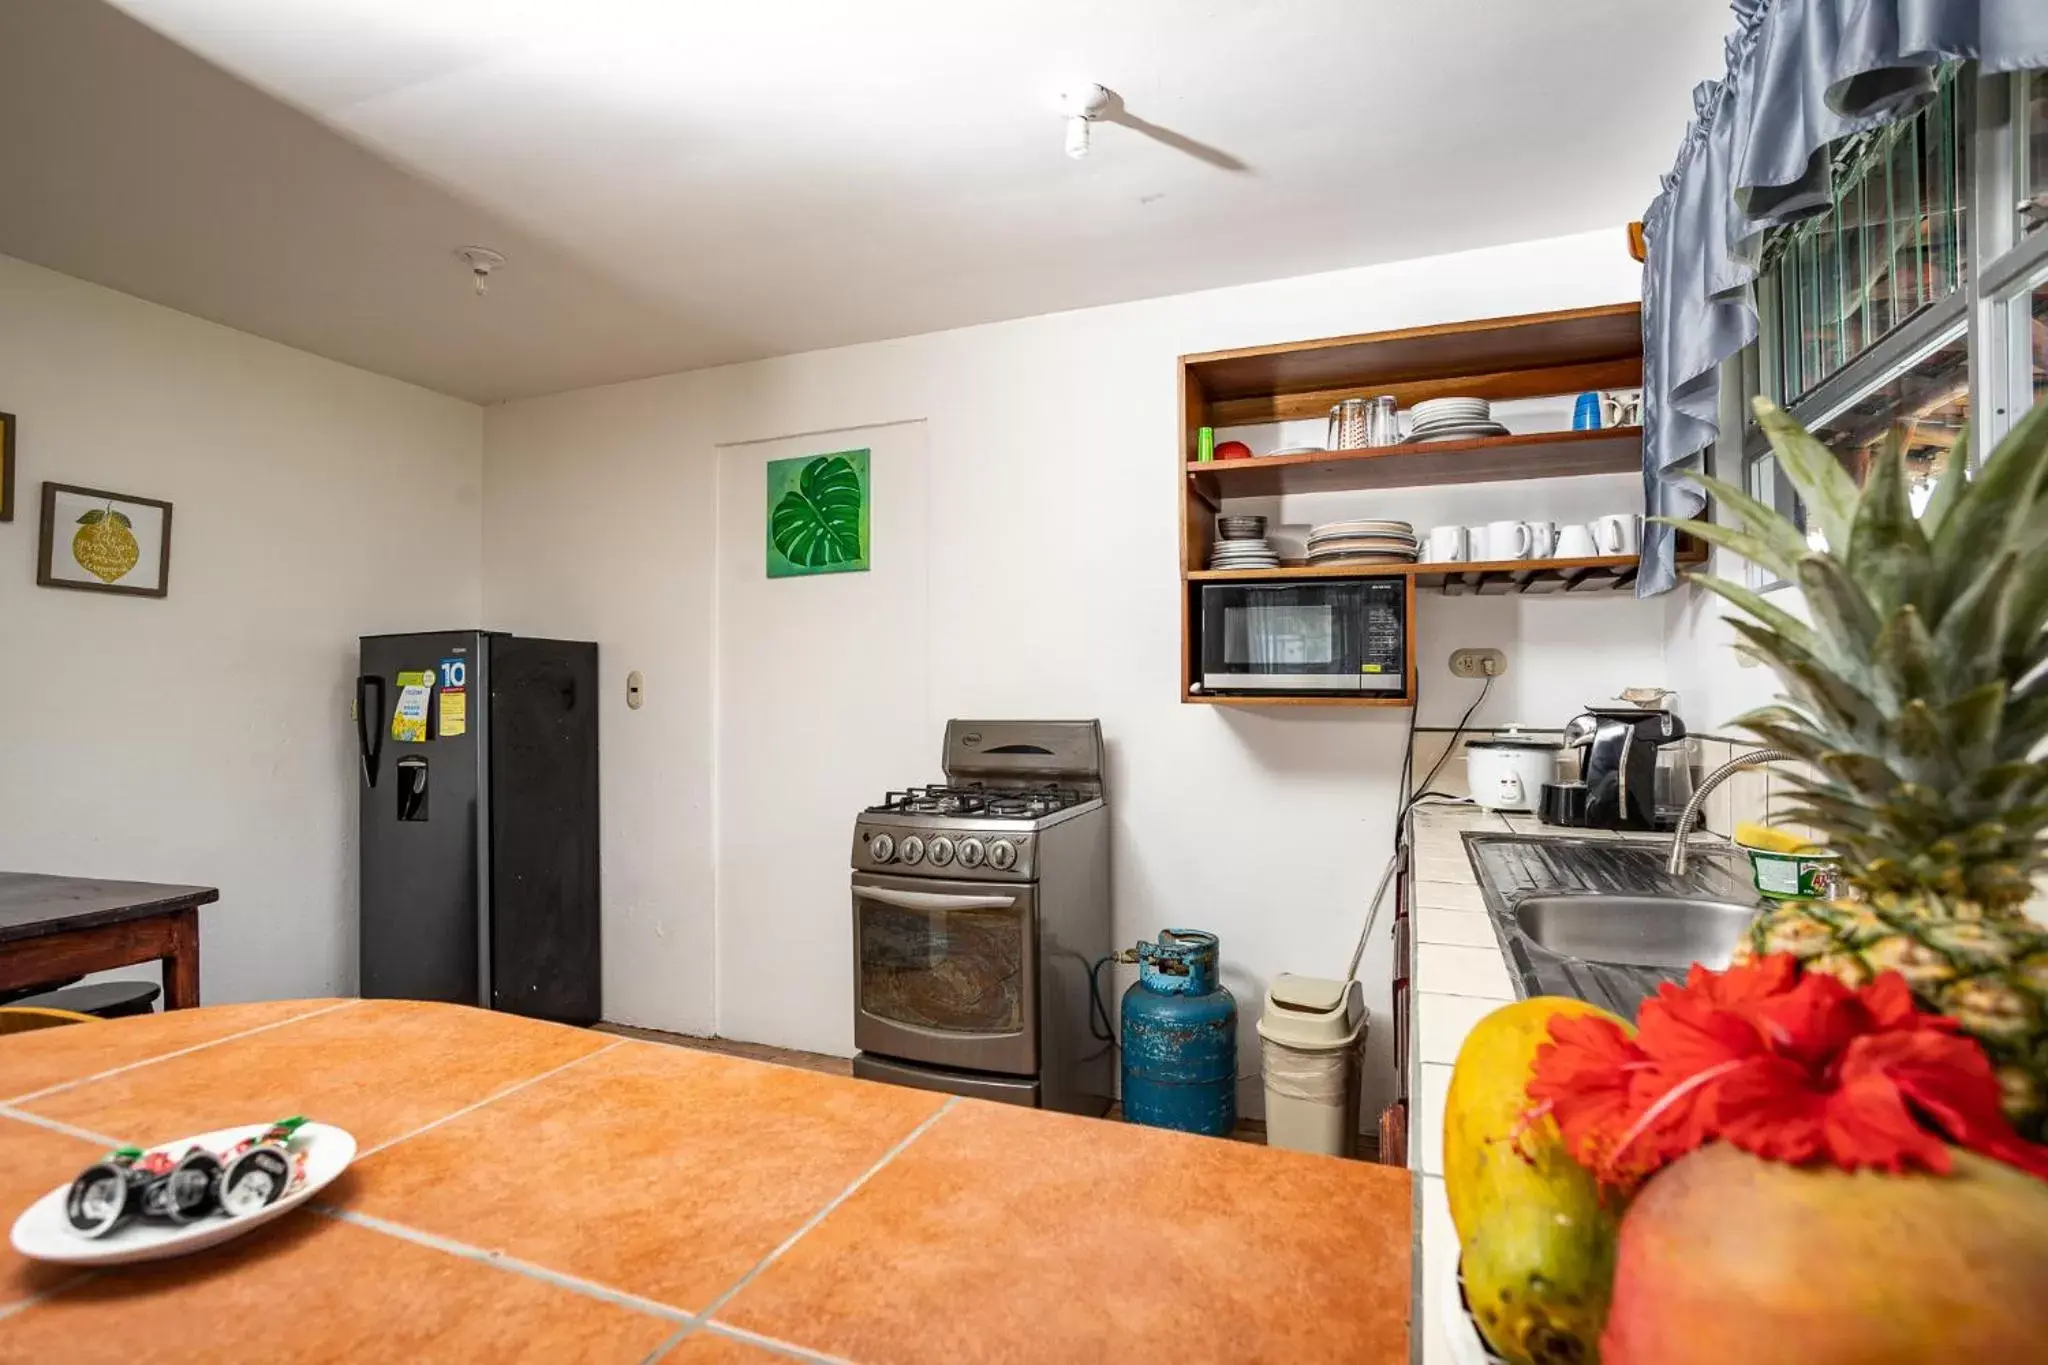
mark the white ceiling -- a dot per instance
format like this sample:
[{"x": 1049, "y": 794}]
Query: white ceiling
[{"x": 680, "y": 183}]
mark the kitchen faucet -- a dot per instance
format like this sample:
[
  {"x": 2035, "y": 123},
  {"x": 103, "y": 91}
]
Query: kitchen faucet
[{"x": 1754, "y": 759}]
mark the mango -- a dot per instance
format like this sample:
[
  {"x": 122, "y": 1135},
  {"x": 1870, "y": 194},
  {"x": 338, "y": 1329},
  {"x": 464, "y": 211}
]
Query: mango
[
  {"x": 1535, "y": 1233},
  {"x": 1727, "y": 1257}
]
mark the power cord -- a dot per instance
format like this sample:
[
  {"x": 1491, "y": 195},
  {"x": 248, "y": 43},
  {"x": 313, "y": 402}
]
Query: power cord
[
  {"x": 1408, "y": 803},
  {"x": 1449, "y": 749},
  {"x": 1096, "y": 1009}
]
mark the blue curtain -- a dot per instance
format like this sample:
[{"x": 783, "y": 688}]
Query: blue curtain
[{"x": 1801, "y": 74}]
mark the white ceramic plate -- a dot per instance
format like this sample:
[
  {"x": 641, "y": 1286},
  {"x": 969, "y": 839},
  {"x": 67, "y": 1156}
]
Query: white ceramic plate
[
  {"x": 1321, "y": 561},
  {"x": 1456, "y": 433},
  {"x": 1299, "y": 450},
  {"x": 1336, "y": 528},
  {"x": 43, "y": 1233},
  {"x": 1432, "y": 408}
]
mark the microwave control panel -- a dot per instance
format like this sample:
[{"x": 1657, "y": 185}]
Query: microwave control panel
[{"x": 1383, "y": 648}]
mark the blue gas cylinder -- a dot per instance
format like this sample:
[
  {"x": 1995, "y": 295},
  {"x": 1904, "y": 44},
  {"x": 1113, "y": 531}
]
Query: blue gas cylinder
[{"x": 1180, "y": 1038}]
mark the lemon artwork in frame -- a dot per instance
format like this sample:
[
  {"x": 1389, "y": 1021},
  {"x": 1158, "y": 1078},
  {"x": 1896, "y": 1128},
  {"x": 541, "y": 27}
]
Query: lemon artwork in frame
[
  {"x": 104, "y": 542},
  {"x": 818, "y": 507}
]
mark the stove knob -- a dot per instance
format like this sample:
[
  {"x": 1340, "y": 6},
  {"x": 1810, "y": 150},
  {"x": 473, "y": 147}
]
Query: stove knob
[
  {"x": 941, "y": 851},
  {"x": 970, "y": 853},
  {"x": 913, "y": 848},
  {"x": 1002, "y": 855},
  {"x": 881, "y": 848}
]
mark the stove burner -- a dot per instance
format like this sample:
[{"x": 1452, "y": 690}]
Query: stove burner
[{"x": 996, "y": 803}]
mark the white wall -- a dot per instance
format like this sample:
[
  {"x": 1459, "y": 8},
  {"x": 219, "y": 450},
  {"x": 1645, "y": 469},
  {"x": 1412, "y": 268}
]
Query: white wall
[
  {"x": 205, "y": 737},
  {"x": 1715, "y": 683},
  {"x": 1052, "y": 552}
]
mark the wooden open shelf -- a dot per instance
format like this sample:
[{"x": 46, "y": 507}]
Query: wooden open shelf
[
  {"x": 1499, "y": 358},
  {"x": 1590, "y": 574},
  {"x": 1489, "y": 459},
  {"x": 1204, "y": 699},
  {"x": 1520, "y": 575},
  {"x": 1536, "y": 355}
]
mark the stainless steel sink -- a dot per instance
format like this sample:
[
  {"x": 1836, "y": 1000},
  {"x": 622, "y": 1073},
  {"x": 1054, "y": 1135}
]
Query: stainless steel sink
[{"x": 1637, "y": 931}]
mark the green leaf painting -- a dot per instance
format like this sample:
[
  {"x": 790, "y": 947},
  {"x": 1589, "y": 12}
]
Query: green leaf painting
[{"x": 818, "y": 514}]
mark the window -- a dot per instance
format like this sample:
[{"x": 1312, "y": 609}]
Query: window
[
  {"x": 1927, "y": 405},
  {"x": 2032, "y": 129},
  {"x": 1895, "y": 242},
  {"x": 1892, "y": 312}
]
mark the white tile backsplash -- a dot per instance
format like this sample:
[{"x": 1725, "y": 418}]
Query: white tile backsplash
[
  {"x": 1458, "y": 927},
  {"x": 1446, "y": 896},
  {"x": 1439, "y": 1263},
  {"x": 1446, "y": 969},
  {"x": 1443, "y": 1022},
  {"x": 1436, "y": 1089},
  {"x": 1440, "y": 868}
]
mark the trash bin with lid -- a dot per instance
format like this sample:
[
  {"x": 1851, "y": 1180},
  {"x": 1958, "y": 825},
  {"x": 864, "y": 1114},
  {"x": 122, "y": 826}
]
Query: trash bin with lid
[{"x": 1311, "y": 1044}]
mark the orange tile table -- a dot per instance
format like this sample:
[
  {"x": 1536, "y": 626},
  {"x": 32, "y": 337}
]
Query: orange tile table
[{"x": 528, "y": 1192}]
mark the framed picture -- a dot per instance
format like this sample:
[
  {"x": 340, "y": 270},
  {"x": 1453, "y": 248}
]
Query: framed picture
[
  {"x": 104, "y": 542},
  {"x": 6, "y": 466},
  {"x": 818, "y": 514}
]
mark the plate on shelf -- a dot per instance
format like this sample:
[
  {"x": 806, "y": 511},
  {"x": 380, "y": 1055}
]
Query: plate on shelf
[
  {"x": 1456, "y": 433},
  {"x": 1346, "y": 561},
  {"x": 1296, "y": 450},
  {"x": 1372, "y": 545},
  {"x": 1399, "y": 528},
  {"x": 44, "y": 1232}
]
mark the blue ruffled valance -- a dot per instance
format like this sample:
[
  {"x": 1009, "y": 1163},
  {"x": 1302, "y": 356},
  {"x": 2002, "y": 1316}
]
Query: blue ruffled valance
[{"x": 1801, "y": 74}]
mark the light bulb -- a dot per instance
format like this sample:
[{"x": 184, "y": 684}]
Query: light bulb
[{"x": 1077, "y": 137}]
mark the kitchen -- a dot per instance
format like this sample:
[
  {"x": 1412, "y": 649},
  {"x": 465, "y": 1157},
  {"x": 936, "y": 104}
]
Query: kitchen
[{"x": 1022, "y": 543}]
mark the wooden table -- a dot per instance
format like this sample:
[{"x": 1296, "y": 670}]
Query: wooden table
[
  {"x": 56, "y": 928},
  {"x": 531, "y": 1192}
]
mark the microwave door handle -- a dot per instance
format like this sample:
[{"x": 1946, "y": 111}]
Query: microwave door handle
[{"x": 933, "y": 900}]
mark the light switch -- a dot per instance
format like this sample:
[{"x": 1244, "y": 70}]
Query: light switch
[{"x": 636, "y": 690}]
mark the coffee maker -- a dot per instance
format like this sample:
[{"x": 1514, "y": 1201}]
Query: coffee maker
[{"x": 1618, "y": 761}]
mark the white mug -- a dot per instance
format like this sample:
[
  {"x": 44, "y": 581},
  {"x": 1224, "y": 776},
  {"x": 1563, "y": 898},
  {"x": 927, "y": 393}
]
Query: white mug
[
  {"x": 1575, "y": 542},
  {"x": 1542, "y": 539},
  {"x": 1507, "y": 540},
  {"x": 1475, "y": 542},
  {"x": 1616, "y": 533},
  {"x": 1446, "y": 544}
]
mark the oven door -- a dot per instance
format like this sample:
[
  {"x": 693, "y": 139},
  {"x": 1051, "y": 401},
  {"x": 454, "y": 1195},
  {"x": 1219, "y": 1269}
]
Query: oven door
[{"x": 946, "y": 972}]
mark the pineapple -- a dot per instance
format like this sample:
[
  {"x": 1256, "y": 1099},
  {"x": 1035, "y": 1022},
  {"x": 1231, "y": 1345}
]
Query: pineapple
[{"x": 1917, "y": 698}]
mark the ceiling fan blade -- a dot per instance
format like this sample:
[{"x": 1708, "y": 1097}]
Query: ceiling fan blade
[{"x": 1180, "y": 142}]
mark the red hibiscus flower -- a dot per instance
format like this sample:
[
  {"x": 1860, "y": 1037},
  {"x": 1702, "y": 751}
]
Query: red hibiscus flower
[{"x": 1790, "y": 1067}]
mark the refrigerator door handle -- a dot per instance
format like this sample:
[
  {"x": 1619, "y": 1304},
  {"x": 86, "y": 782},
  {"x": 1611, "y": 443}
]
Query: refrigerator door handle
[{"x": 370, "y": 723}]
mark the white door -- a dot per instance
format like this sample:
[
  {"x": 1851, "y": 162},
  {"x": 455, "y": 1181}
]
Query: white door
[{"x": 821, "y": 704}]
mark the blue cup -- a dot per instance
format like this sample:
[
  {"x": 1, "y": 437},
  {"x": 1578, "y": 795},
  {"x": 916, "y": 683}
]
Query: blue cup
[{"x": 1586, "y": 413}]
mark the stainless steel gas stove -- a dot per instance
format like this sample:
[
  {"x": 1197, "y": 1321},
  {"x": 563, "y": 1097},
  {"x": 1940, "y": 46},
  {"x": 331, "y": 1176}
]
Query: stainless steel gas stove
[{"x": 977, "y": 909}]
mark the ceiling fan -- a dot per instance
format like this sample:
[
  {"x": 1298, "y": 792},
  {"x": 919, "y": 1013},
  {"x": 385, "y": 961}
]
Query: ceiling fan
[{"x": 1085, "y": 105}]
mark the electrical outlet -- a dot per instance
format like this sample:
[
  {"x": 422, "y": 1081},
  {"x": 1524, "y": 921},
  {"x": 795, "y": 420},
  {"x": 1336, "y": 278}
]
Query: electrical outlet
[{"x": 1478, "y": 663}]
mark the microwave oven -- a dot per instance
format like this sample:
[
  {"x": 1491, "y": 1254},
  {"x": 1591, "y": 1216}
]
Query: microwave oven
[{"x": 1342, "y": 636}]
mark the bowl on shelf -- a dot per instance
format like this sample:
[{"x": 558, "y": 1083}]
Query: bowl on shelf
[{"x": 1240, "y": 527}]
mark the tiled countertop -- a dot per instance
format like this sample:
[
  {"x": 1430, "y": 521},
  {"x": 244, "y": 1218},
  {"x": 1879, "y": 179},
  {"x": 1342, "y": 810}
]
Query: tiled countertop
[
  {"x": 528, "y": 1192},
  {"x": 1458, "y": 977}
]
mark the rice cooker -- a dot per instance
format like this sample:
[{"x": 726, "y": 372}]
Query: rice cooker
[{"x": 1507, "y": 770}]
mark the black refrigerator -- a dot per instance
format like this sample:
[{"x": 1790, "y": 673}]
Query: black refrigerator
[{"x": 479, "y": 834}]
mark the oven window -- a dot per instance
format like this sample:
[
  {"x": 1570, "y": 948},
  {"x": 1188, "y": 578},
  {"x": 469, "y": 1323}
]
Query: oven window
[
  {"x": 953, "y": 971},
  {"x": 1270, "y": 636}
]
